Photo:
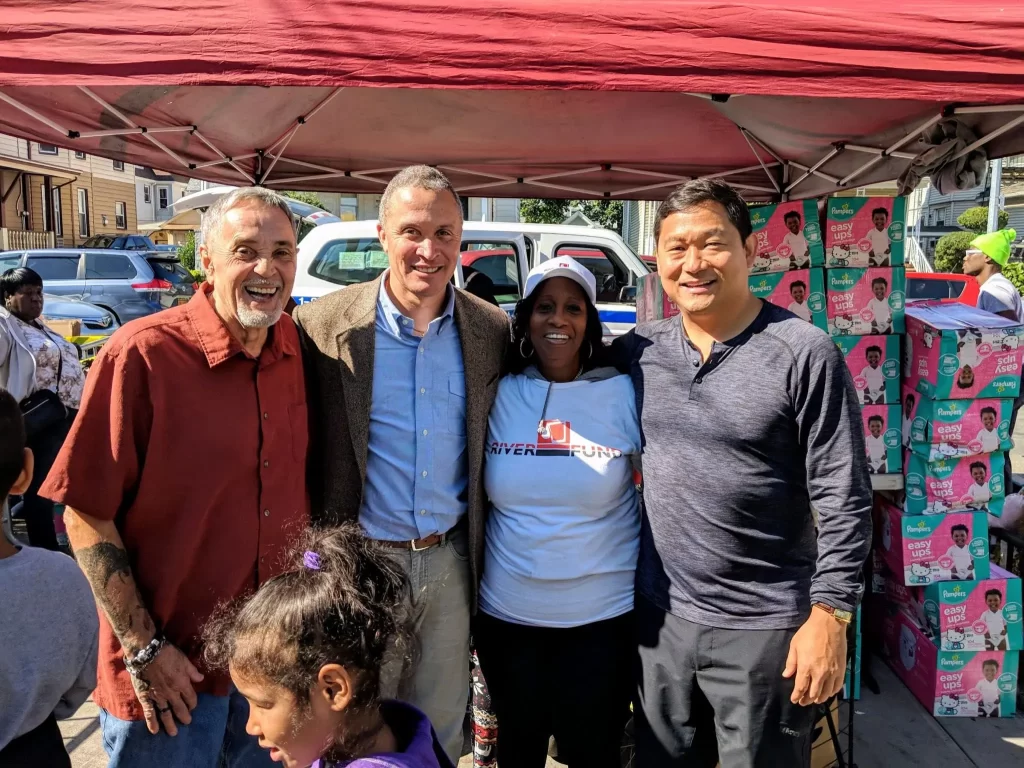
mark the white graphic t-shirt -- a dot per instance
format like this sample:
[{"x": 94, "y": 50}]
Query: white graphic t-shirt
[
  {"x": 875, "y": 379},
  {"x": 989, "y": 439},
  {"x": 980, "y": 493},
  {"x": 800, "y": 310},
  {"x": 876, "y": 451},
  {"x": 798, "y": 244},
  {"x": 990, "y": 694},
  {"x": 969, "y": 354},
  {"x": 882, "y": 312},
  {"x": 907, "y": 422},
  {"x": 996, "y": 624},
  {"x": 962, "y": 559},
  {"x": 879, "y": 242}
]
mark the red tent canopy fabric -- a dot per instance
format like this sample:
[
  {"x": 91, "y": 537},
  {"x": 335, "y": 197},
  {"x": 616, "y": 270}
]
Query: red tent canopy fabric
[{"x": 599, "y": 98}]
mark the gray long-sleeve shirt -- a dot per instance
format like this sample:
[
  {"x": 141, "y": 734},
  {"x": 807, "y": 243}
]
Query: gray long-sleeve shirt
[
  {"x": 48, "y": 635},
  {"x": 736, "y": 451}
]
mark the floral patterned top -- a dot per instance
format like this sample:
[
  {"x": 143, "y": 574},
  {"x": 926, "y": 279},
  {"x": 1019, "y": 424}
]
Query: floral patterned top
[{"x": 45, "y": 345}]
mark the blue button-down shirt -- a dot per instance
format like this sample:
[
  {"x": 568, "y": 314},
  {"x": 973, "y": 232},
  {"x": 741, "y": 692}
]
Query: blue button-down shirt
[{"x": 416, "y": 470}]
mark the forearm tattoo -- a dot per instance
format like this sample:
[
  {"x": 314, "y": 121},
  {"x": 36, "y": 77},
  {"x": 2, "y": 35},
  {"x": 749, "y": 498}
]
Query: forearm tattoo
[{"x": 109, "y": 571}]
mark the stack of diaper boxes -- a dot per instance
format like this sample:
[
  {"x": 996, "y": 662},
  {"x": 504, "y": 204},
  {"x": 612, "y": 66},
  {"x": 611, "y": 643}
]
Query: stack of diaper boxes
[
  {"x": 865, "y": 283},
  {"x": 951, "y": 627}
]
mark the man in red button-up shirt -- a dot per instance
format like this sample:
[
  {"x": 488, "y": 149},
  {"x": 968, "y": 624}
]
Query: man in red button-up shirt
[{"x": 184, "y": 480}]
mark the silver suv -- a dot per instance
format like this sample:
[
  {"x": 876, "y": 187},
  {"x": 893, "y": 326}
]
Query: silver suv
[{"x": 127, "y": 283}]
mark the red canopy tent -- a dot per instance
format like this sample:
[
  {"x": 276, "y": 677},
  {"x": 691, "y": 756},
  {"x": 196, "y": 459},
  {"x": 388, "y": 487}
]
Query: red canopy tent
[{"x": 514, "y": 98}]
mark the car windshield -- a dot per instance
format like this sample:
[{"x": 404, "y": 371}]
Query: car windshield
[
  {"x": 171, "y": 271},
  {"x": 347, "y": 262},
  {"x": 923, "y": 289},
  {"x": 99, "y": 241}
]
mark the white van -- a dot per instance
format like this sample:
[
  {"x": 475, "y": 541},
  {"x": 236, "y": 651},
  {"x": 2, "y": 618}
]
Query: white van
[{"x": 332, "y": 256}]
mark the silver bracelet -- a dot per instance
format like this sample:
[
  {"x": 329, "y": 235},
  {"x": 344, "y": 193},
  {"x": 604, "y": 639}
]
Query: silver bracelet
[{"x": 144, "y": 657}]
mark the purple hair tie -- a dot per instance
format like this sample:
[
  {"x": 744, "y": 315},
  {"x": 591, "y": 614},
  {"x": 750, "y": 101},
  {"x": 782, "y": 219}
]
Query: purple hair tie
[{"x": 311, "y": 560}]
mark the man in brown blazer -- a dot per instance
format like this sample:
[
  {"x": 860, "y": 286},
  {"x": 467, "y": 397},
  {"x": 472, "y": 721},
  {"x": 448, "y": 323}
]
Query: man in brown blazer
[{"x": 403, "y": 371}]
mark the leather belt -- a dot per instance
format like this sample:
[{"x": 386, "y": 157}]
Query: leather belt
[{"x": 417, "y": 545}]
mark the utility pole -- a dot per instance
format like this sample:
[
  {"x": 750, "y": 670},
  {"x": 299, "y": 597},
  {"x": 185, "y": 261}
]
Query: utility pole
[{"x": 995, "y": 195}]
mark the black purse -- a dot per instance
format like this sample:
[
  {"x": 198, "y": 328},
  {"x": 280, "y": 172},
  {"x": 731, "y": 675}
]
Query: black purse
[{"x": 43, "y": 408}]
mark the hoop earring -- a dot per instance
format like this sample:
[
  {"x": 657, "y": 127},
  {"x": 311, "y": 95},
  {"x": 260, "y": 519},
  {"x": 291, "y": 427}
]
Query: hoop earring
[
  {"x": 522, "y": 351},
  {"x": 590, "y": 349}
]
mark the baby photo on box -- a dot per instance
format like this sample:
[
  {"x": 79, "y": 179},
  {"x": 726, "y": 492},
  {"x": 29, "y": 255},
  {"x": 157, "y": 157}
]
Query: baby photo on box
[
  {"x": 882, "y": 438},
  {"x": 944, "y": 485},
  {"x": 865, "y": 302},
  {"x": 950, "y": 429},
  {"x": 801, "y": 292},
  {"x": 865, "y": 231},
  {"x": 874, "y": 363},
  {"x": 788, "y": 237}
]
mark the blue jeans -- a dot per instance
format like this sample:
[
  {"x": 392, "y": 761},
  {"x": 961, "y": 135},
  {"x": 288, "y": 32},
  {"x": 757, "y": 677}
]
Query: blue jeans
[{"x": 216, "y": 738}]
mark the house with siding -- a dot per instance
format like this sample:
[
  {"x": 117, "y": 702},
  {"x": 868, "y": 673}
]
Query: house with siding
[{"x": 52, "y": 196}]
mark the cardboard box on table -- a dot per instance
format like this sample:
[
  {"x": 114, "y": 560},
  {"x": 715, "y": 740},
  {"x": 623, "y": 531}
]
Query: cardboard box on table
[
  {"x": 947, "y": 683},
  {"x": 788, "y": 237},
  {"x": 948, "y": 485},
  {"x": 922, "y": 549},
  {"x": 865, "y": 232},
  {"x": 951, "y": 429},
  {"x": 956, "y": 352},
  {"x": 874, "y": 363},
  {"x": 865, "y": 301}
]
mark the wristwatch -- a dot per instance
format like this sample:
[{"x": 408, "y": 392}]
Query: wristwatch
[{"x": 836, "y": 613}]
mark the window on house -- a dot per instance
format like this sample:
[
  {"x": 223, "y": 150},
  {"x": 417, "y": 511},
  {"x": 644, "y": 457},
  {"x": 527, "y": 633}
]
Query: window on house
[
  {"x": 118, "y": 165},
  {"x": 48, "y": 149},
  {"x": 79, "y": 155},
  {"x": 120, "y": 216},
  {"x": 163, "y": 197},
  {"x": 83, "y": 213},
  {"x": 147, "y": 194},
  {"x": 58, "y": 219}
]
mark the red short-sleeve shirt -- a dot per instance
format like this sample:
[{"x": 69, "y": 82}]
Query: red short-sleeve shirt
[{"x": 198, "y": 453}]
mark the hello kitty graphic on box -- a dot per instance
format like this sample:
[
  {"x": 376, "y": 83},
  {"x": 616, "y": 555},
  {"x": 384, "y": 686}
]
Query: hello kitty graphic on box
[
  {"x": 923, "y": 549},
  {"x": 865, "y": 232},
  {"x": 957, "y": 683},
  {"x": 788, "y": 237},
  {"x": 956, "y": 352}
]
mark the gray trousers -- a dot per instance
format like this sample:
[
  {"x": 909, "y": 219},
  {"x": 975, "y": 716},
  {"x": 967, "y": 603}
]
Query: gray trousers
[
  {"x": 431, "y": 669},
  {"x": 706, "y": 695}
]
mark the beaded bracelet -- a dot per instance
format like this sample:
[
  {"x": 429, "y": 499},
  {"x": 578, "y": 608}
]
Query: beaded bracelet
[{"x": 144, "y": 657}]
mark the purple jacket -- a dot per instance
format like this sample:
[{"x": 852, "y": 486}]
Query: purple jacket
[{"x": 415, "y": 735}]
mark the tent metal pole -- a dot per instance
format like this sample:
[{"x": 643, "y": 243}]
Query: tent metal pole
[
  {"x": 819, "y": 173},
  {"x": 302, "y": 119},
  {"x": 876, "y": 151},
  {"x": 652, "y": 174},
  {"x": 813, "y": 169},
  {"x": 32, "y": 113},
  {"x": 754, "y": 151},
  {"x": 762, "y": 145},
  {"x": 875, "y": 160},
  {"x": 988, "y": 110},
  {"x": 645, "y": 188},
  {"x": 313, "y": 166},
  {"x": 563, "y": 174},
  {"x": 277, "y": 156},
  {"x": 785, "y": 182},
  {"x": 134, "y": 131},
  {"x": 577, "y": 190},
  {"x": 468, "y": 172},
  {"x": 735, "y": 171},
  {"x": 988, "y": 137},
  {"x": 487, "y": 185},
  {"x": 225, "y": 159},
  {"x": 317, "y": 177}
]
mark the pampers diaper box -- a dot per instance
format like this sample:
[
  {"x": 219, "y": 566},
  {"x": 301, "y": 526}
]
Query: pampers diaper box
[
  {"x": 949, "y": 683},
  {"x": 945, "y": 485},
  {"x": 865, "y": 231},
  {"x": 924, "y": 549},
  {"x": 949, "y": 429},
  {"x": 802, "y": 292},
  {"x": 882, "y": 438},
  {"x": 788, "y": 237},
  {"x": 981, "y": 615},
  {"x": 956, "y": 352},
  {"x": 865, "y": 302},
  {"x": 874, "y": 363}
]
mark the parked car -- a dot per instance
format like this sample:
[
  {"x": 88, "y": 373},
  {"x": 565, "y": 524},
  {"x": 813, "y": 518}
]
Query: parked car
[
  {"x": 96, "y": 321},
  {"x": 166, "y": 248},
  {"x": 120, "y": 243},
  {"x": 129, "y": 284},
  {"x": 337, "y": 254},
  {"x": 942, "y": 286}
]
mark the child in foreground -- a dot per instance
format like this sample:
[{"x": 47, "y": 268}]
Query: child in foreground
[
  {"x": 306, "y": 652},
  {"x": 49, "y": 628}
]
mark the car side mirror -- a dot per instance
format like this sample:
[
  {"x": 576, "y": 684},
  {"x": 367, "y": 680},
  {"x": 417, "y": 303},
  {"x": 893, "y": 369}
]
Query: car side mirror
[{"x": 627, "y": 294}]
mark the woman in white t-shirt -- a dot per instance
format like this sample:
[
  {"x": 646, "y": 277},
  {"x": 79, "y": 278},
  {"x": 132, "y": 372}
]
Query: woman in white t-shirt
[{"x": 554, "y": 634}]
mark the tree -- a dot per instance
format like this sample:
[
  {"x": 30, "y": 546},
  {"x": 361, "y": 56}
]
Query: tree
[
  {"x": 309, "y": 198},
  {"x": 951, "y": 249},
  {"x": 604, "y": 213},
  {"x": 976, "y": 219},
  {"x": 187, "y": 252},
  {"x": 1014, "y": 272}
]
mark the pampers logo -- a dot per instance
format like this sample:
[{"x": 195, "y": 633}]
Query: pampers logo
[
  {"x": 556, "y": 439},
  {"x": 757, "y": 218},
  {"x": 953, "y": 592},
  {"x": 843, "y": 279},
  {"x": 840, "y": 210},
  {"x": 955, "y": 412},
  {"x": 952, "y": 661}
]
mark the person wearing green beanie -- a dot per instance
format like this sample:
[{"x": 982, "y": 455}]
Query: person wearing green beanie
[{"x": 985, "y": 260}]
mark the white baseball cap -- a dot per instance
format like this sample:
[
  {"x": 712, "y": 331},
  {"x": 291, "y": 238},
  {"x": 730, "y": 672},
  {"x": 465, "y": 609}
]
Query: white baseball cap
[{"x": 562, "y": 266}]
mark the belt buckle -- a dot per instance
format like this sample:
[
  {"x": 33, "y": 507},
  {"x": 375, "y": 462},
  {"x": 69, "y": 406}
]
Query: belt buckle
[{"x": 412, "y": 544}]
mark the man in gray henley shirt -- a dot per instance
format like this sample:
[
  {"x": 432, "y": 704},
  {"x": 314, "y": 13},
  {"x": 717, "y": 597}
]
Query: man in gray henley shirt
[{"x": 749, "y": 419}]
